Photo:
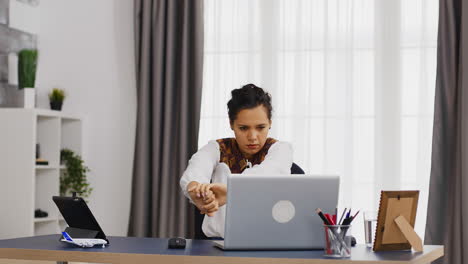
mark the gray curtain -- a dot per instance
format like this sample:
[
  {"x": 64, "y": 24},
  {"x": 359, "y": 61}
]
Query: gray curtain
[
  {"x": 169, "y": 68},
  {"x": 447, "y": 216}
]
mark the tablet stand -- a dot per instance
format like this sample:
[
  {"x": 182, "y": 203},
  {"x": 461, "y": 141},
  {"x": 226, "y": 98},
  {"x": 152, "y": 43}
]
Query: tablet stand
[
  {"x": 80, "y": 219},
  {"x": 81, "y": 233}
]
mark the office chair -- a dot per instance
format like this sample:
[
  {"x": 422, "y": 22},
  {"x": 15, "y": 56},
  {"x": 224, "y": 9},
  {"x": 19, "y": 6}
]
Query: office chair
[{"x": 295, "y": 169}]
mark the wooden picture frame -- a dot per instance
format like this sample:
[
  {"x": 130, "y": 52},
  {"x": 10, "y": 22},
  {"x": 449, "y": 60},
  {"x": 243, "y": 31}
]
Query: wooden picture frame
[{"x": 388, "y": 235}]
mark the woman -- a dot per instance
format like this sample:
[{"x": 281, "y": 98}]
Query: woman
[{"x": 250, "y": 152}]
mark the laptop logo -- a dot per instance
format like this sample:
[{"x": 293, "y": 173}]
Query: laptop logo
[{"x": 283, "y": 211}]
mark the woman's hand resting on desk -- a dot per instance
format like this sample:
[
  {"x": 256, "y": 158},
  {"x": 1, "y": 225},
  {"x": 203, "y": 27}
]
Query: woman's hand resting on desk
[{"x": 203, "y": 198}]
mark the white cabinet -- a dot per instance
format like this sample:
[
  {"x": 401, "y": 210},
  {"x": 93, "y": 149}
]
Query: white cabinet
[{"x": 25, "y": 186}]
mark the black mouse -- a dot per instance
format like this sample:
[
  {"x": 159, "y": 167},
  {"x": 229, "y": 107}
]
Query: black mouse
[
  {"x": 176, "y": 242},
  {"x": 353, "y": 240}
]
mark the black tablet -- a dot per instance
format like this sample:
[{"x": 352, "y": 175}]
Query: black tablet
[{"x": 79, "y": 218}]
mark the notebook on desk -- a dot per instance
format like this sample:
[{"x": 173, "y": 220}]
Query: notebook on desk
[{"x": 274, "y": 212}]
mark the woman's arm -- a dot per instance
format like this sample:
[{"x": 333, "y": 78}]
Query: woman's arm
[
  {"x": 278, "y": 160},
  {"x": 200, "y": 167}
]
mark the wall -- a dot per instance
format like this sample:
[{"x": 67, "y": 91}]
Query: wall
[
  {"x": 16, "y": 33},
  {"x": 86, "y": 47}
]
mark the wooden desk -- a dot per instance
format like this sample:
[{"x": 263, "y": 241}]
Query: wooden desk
[{"x": 131, "y": 250}]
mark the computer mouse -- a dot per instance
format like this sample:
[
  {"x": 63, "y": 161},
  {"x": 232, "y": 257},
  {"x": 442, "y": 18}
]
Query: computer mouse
[
  {"x": 353, "y": 240},
  {"x": 176, "y": 242}
]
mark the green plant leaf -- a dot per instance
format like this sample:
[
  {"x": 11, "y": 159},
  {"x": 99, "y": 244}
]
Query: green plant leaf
[
  {"x": 73, "y": 179},
  {"x": 27, "y": 66},
  {"x": 57, "y": 95}
]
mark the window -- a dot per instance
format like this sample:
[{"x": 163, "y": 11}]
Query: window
[{"x": 352, "y": 85}]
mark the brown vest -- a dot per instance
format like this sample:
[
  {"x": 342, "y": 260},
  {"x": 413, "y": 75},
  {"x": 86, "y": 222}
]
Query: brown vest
[{"x": 232, "y": 156}]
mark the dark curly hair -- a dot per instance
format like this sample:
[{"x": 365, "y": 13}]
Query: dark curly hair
[{"x": 247, "y": 97}]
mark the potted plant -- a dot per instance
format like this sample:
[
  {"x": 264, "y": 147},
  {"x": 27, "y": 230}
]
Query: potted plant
[
  {"x": 27, "y": 66},
  {"x": 73, "y": 178},
  {"x": 56, "y": 98}
]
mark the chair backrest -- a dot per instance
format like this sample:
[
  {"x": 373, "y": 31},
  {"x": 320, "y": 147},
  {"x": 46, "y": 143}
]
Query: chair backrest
[{"x": 295, "y": 169}]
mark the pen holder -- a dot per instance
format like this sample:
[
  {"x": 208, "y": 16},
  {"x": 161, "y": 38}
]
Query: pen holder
[{"x": 337, "y": 244}]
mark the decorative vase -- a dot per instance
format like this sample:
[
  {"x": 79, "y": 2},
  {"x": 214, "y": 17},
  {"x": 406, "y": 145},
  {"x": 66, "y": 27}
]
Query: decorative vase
[
  {"x": 29, "y": 97},
  {"x": 54, "y": 105}
]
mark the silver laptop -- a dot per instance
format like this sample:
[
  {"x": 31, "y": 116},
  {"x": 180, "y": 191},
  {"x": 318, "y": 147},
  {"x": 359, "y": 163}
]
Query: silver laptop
[{"x": 277, "y": 212}]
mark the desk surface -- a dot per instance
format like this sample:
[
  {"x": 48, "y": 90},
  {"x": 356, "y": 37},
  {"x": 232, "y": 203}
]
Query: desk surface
[{"x": 143, "y": 250}]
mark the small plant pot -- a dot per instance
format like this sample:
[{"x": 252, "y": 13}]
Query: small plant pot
[
  {"x": 56, "y": 106},
  {"x": 29, "y": 97}
]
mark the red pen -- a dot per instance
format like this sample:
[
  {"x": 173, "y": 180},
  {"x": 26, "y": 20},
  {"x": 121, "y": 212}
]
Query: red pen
[
  {"x": 325, "y": 222},
  {"x": 330, "y": 220}
]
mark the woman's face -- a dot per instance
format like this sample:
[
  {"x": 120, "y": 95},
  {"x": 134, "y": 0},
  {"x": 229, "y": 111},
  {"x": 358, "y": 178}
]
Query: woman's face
[{"x": 251, "y": 129}]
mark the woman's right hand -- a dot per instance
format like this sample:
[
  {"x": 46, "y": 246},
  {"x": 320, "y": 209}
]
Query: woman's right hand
[{"x": 203, "y": 198}]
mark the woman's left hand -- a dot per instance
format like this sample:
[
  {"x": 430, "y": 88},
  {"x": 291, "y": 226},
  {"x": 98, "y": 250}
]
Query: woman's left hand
[
  {"x": 220, "y": 192},
  {"x": 201, "y": 196}
]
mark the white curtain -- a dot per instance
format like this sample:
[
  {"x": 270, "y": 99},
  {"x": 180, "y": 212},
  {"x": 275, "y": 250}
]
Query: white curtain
[{"x": 352, "y": 83}]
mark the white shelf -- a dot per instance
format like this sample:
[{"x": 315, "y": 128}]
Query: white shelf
[
  {"x": 44, "y": 219},
  {"x": 45, "y": 167},
  {"x": 48, "y": 167},
  {"x": 27, "y": 186},
  {"x": 43, "y": 113},
  {"x": 53, "y": 113}
]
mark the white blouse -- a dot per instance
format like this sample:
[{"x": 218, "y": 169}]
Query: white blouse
[{"x": 205, "y": 166}]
